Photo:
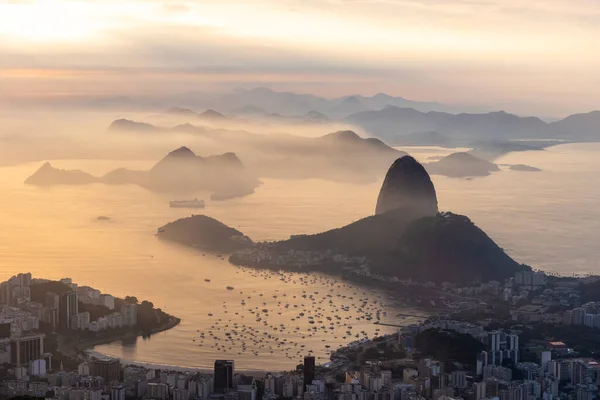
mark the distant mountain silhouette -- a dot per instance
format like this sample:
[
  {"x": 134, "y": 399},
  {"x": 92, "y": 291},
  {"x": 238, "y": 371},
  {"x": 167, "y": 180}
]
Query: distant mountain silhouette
[
  {"x": 181, "y": 111},
  {"x": 458, "y": 165},
  {"x": 347, "y": 105},
  {"x": 127, "y": 125},
  {"x": 340, "y": 156},
  {"x": 315, "y": 116},
  {"x": 578, "y": 127},
  {"x": 188, "y": 128},
  {"x": 212, "y": 115},
  {"x": 397, "y": 124},
  {"x": 394, "y": 122},
  {"x": 349, "y": 141},
  {"x": 288, "y": 103},
  {"x": 180, "y": 171},
  {"x": 47, "y": 175},
  {"x": 208, "y": 114},
  {"x": 407, "y": 185},
  {"x": 424, "y": 138},
  {"x": 250, "y": 109}
]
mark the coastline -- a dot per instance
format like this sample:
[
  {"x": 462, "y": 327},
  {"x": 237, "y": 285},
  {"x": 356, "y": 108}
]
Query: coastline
[
  {"x": 181, "y": 368},
  {"x": 90, "y": 343},
  {"x": 70, "y": 349}
]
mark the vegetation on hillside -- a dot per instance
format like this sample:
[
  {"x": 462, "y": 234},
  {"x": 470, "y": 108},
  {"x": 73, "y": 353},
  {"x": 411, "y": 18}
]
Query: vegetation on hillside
[{"x": 448, "y": 346}]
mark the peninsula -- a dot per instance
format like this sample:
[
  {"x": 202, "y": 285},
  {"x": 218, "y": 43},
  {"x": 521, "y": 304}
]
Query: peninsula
[
  {"x": 407, "y": 239},
  {"x": 73, "y": 318}
]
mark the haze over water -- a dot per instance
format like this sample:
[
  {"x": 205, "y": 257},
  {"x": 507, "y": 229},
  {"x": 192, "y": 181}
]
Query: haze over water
[{"x": 549, "y": 220}]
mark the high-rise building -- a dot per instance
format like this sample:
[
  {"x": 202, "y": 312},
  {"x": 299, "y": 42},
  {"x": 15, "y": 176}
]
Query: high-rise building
[
  {"x": 24, "y": 280},
  {"x": 459, "y": 379},
  {"x": 224, "y": 371},
  {"x": 117, "y": 393},
  {"x": 494, "y": 341},
  {"x": 24, "y": 349},
  {"x": 108, "y": 369},
  {"x": 159, "y": 391},
  {"x": 309, "y": 370},
  {"x": 67, "y": 307},
  {"x": 129, "y": 313},
  {"x": 482, "y": 362},
  {"x": 546, "y": 357},
  {"x": 480, "y": 390},
  {"x": 386, "y": 377}
]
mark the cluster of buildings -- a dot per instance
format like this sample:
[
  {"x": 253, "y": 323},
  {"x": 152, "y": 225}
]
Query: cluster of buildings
[
  {"x": 588, "y": 314},
  {"x": 498, "y": 371},
  {"x": 60, "y": 307},
  {"x": 262, "y": 255},
  {"x": 21, "y": 335},
  {"x": 107, "y": 379},
  {"x": 500, "y": 345}
]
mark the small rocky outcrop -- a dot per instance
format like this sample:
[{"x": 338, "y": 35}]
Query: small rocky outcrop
[
  {"x": 524, "y": 168},
  {"x": 407, "y": 185}
]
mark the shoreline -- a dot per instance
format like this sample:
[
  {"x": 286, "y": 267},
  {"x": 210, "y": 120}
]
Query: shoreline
[
  {"x": 93, "y": 342},
  {"x": 181, "y": 368},
  {"x": 73, "y": 350}
]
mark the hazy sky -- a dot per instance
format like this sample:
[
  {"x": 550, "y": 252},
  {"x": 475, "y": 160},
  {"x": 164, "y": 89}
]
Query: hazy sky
[{"x": 532, "y": 56}]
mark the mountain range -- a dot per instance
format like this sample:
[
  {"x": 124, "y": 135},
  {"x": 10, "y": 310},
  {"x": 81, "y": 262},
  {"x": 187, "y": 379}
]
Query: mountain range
[
  {"x": 180, "y": 171},
  {"x": 398, "y": 125},
  {"x": 341, "y": 156},
  {"x": 396, "y": 120}
]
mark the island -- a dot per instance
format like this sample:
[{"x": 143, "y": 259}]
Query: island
[
  {"x": 206, "y": 233},
  {"x": 524, "y": 168},
  {"x": 460, "y": 165},
  {"x": 181, "y": 171},
  {"x": 47, "y": 175},
  {"x": 407, "y": 239}
]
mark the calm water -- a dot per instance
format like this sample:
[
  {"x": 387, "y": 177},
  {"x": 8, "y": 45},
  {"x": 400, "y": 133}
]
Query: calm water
[{"x": 550, "y": 220}]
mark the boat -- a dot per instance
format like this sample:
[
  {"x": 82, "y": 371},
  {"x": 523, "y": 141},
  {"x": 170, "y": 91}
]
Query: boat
[
  {"x": 207, "y": 280},
  {"x": 229, "y": 287},
  {"x": 187, "y": 203}
]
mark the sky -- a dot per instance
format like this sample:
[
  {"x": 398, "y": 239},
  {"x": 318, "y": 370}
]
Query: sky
[{"x": 531, "y": 57}]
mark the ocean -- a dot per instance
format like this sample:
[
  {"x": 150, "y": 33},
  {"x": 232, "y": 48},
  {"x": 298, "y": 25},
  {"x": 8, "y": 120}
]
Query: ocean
[{"x": 549, "y": 220}]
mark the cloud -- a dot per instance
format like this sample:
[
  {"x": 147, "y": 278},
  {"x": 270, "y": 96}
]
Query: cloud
[
  {"x": 175, "y": 8},
  {"x": 425, "y": 49}
]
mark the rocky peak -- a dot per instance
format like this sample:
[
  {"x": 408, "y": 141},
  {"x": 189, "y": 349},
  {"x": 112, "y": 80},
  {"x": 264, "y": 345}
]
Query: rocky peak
[
  {"x": 407, "y": 184},
  {"x": 182, "y": 152},
  {"x": 212, "y": 114}
]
